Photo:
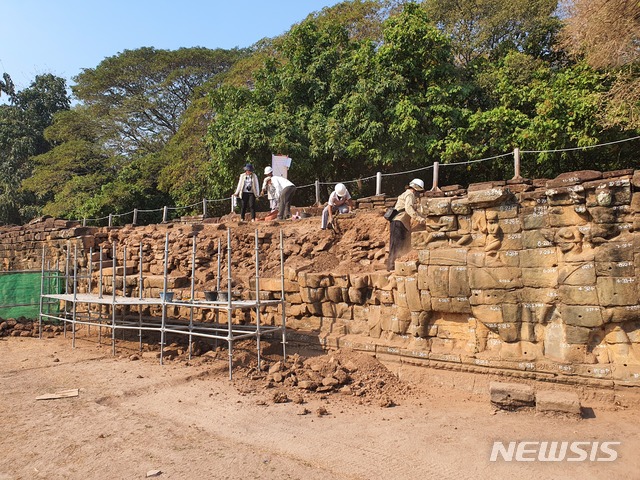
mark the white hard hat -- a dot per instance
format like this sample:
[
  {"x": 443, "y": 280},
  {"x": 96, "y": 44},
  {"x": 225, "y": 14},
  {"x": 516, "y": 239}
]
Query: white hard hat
[
  {"x": 268, "y": 170},
  {"x": 417, "y": 184},
  {"x": 341, "y": 190}
]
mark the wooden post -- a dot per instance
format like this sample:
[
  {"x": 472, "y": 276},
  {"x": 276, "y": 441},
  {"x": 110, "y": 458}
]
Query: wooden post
[
  {"x": 516, "y": 164},
  {"x": 436, "y": 166}
]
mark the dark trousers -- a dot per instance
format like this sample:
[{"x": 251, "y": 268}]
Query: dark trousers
[
  {"x": 399, "y": 242},
  {"x": 248, "y": 201},
  {"x": 284, "y": 204}
]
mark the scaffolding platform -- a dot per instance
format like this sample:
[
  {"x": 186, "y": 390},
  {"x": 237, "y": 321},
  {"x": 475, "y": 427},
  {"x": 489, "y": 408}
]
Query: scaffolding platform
[{"x": 77, "y": 306}]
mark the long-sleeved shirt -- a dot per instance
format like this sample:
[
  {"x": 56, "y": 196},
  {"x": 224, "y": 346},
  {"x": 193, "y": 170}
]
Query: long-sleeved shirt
[
  {"x": 406, "y": 206},
  {"x": 280, "y": 183},
  {"x": 247, "y": 180}
]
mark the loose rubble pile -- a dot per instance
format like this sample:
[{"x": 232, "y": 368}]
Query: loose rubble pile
[
  {"x": 342, "y": 372},
  {"x": 25, "y": 328}
]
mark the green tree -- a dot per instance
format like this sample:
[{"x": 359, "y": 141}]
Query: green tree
[
  {"x": 22, "y": 125},
  {"x": 606, "y": 33},
  {"x": 488, "y": 29},
  {"x": 144, "y": 92},
  {"x": 339, "y": 106},
  {"x": 112, "y": 148},
  {"x": 67, "y": 176},
  {"x": 534, "y": 107}
]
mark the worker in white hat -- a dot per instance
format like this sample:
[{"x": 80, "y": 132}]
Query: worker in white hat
[
  {"x": 269, "y": 189},
  {"x": 284, "y": 190},
  {"x": 339, "y": 202},
  {"x": 400, "y": 224}
]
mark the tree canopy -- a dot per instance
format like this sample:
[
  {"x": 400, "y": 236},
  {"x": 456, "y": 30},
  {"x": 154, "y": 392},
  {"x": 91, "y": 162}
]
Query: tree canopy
[{"x": 360, "y": 87}]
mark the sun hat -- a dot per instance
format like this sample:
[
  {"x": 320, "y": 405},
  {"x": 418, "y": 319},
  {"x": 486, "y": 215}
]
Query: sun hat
[
  {"x": 249, "y": 167},
  {"x": 268, "y": 170},
  {"x": 417, "y": 184},
  {"x": 341, "y": 190}
]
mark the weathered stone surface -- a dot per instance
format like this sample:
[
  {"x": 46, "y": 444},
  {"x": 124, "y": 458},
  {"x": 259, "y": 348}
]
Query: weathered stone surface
[
  {"x": 548, "y": 401},
  {"x": 448, "y": 256},
  {"x": 573, "y": 178},
  {"x": 511, "y": 395},
  {"x": 487, "y": 198},
  {"x": 617, "y": 291},
  {"x": 581, "y": 316}
]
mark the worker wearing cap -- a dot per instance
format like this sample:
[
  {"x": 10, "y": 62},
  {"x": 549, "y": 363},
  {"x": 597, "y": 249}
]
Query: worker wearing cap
[
  {"x": 339, "y": 202},
  {"x": 283, "y": 191},
  {"x": 400, "y": 225},
  {"x": 247, "y": 190}
]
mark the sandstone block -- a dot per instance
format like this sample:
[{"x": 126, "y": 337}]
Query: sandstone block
[
  {"x": 617, "y": 291},
  {"x": 337, "y": 294},
  {"x": 578, "y": 295},
  {"x": 400, "y": 299},
  {"x": 439, "y": 206},
  {"x": 614, "y": 269},
  {"x": 540, "y": 277},
  {"x": 488, "y": 198},
  {"x": 412, "y": 294},
  {"x": 577, "y": 274},
  {"x": 558, "y": 402},
  {"x": 312, "y": 295},
  {"x": 380, "y": 280},
  {"x": 581, "y": 316},
  {"x": 448, "y": 256},
  {"x": 459, "y": 282},
  {"x": 513, "y": 241},
  {"x": 566, "y": 195},
  {"x": 613, "y": 252},
  {"x": 539, "y": 257},
  {"x": 534, "y": 218},
  {"x": 573, "y": 178},
  {"x": 494, "y": 278},
  {"x": 492, "y": 297},
  {"x": 438, "y": 281},
  {"x": 359, "y": 280},
  {"x": 383, "y": 296},
  {"x": 423, "y": 277},
  {"x": 532, "y": 239},
  {"x": 460, "y": 206},
  {"x": 423, "y": 256},
  {"x": 425, "y": 300},
  {"x": 511, "y": 395},
  {"x": 404, "y": 269},
  {"x": 357, "y": 295}
]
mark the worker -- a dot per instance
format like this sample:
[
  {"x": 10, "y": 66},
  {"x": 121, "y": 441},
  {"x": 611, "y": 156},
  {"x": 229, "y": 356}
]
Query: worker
[
  {"x": 247, "y": 190},
  {"x": 284, "y": 190},
  {"x": 339, "y": 202},
  {"x": 400, "y": 223},
  {"x": 270, "y": 190}
]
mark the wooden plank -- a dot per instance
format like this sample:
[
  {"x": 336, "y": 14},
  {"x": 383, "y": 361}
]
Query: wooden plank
[{"x": 72, "y": 392}]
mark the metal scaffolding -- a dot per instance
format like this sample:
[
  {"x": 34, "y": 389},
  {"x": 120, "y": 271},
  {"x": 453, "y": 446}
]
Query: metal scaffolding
[{"x": 229, "y": 331}]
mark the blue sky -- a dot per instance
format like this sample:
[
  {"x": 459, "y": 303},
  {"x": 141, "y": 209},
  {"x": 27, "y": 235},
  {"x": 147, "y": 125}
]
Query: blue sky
[{"x": 64, "y": 36}]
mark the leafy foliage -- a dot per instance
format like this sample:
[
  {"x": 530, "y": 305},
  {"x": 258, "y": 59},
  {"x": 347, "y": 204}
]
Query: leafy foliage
[
  {"x": 22, "y": 125},
  {"x": 363, "y": 86}
]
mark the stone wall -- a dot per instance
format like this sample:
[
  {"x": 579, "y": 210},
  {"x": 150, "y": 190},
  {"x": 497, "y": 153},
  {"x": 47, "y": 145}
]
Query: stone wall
[{"x": 529, "y": 278}]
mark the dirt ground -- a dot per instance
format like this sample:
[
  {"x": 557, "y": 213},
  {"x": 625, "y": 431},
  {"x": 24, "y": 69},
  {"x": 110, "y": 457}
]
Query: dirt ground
[{"x": 135, "y": 418}]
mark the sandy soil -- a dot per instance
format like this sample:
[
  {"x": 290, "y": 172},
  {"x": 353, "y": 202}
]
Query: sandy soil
[{"x": 186, "y": 419}]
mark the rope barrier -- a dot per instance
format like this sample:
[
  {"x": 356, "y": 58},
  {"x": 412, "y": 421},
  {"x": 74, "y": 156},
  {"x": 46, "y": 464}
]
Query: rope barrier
[{"x": 365, "y": 179}]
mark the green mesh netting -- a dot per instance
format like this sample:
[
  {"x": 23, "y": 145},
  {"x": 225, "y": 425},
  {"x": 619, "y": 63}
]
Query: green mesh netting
[{"x": 20, "y": 293}]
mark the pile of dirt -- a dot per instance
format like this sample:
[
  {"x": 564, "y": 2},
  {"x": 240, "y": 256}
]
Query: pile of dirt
[
  {"x": 358, "y": 244},
  {"x": 347, "y": 373}
]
